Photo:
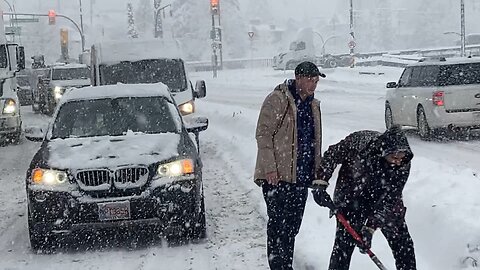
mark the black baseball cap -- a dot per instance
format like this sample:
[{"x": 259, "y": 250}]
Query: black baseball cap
[{"x": 308, "y": 69}]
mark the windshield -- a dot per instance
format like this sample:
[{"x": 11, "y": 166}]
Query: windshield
[
  {"x": 23, "y": 81},
  {"x": 117, "y": 116},
  {"x": 65, "y": 74},
  {"x": 168, "y": 71}
]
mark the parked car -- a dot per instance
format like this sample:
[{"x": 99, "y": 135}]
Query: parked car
[
  {"x": 438, "y": 95},
  {"x": 116, "y": 156}
]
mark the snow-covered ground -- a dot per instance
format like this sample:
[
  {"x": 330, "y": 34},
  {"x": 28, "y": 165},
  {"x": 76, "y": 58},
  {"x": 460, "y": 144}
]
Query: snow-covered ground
[{"x": 441, "y": 195}]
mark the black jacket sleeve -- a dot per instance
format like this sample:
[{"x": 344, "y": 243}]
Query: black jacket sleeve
[
  {"x": 389, "y": 208},
  {"x": 347, "y": 148}
]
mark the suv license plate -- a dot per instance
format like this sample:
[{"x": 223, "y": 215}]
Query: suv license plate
[{"x": 114, "y": 211}]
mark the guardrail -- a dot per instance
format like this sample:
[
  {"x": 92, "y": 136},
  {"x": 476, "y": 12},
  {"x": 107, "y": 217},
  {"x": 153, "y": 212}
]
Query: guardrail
[{"x": 240, "y": 63}]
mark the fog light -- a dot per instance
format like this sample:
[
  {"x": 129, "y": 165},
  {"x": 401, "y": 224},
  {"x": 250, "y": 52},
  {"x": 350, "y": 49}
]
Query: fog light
[
  {"x": 40, "y": 197},
  {"x": 187, "y": 184}
]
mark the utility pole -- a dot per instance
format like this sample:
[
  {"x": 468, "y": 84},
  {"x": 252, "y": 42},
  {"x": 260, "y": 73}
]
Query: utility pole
[
  {"x": 352, "y": 34},
  {"x": 158, "y": 19},
  {"x": 91, "y": 13},
  {"x": 462, "y": 27},
  {"x": 216, "y": 36}
]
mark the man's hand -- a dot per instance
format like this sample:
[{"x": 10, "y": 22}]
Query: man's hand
[
  {"x": 322, "y": 198},
  {"x": 367, "y": 235},
  {"x": 272, "y": 178}
]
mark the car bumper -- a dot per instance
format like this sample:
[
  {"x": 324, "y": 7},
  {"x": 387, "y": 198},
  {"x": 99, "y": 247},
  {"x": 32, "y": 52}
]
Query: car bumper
[
  {"x": 59, "y": 212},
  {"x": 10, "y": 124},
  {"x": 440, "y": 118}
]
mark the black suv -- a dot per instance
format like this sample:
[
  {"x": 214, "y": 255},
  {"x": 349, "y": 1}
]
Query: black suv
[{"x": 116, "y": 156}]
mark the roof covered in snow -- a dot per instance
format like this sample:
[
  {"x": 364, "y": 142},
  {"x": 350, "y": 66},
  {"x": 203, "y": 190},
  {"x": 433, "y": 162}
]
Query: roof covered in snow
[
  {"x": 448, "y": 61},
  {"x": 135, "y": 50},
  {"x": 68, "y": 66},
  {"x": 117, "y": 90}
]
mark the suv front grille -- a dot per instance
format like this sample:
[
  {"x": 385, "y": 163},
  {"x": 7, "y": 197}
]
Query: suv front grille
[
  {"x": 131, "y": 175},
  {"x": 122, "y": 178},
  {"x": 93, "y": 178}
]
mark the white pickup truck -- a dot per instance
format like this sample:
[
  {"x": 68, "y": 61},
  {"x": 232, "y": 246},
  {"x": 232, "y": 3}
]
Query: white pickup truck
[{"x": 12, "y": 60}]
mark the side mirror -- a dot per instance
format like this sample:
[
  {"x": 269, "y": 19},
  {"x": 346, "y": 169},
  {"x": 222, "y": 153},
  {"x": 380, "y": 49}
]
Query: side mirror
[
  {"x": 21, "y": 58},
  {"x": 392, "y": 85},
  {"x": 200, "y": 89},
  {"x": 34, "y": 134},
  {"x": 3, "y": 56},
  {"x": 196, "y": 124}
]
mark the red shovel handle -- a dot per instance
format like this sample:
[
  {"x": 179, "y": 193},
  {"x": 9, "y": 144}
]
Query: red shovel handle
[{"x": 357, "y": 238}]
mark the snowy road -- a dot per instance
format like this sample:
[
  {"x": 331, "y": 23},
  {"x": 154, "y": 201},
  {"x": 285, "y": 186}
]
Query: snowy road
[
  {"x": 441, "y": 195},
  {"x": 227, "y": 207}
]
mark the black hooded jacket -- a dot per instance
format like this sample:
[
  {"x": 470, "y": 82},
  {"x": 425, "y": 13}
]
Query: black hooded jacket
[{"x": 366, "y": 183}]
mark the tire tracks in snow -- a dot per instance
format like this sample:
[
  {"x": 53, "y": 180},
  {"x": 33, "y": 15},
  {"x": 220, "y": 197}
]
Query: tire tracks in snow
[{"x": 236, "y": 229}]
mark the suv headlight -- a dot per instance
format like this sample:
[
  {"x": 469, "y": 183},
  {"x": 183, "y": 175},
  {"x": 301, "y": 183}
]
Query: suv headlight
[
  {"x": 176, "y": 168},
  {"x": 10, "y": 106},
  {"x": 58, "y": 92},
  {"x": 187, "y": 108},
  {"x": 48, "y": 177}
]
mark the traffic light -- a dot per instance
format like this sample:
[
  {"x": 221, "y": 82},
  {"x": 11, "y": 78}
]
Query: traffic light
[
  {"x": 51, "y": 17},
  {"x": 214, "y": 6},
  {"x": 64, "y": 37}
]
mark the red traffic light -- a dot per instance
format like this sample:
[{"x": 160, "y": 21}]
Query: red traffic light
[
  {"x": 51, "y": 16},
  {"x": 214, "y": 3}
]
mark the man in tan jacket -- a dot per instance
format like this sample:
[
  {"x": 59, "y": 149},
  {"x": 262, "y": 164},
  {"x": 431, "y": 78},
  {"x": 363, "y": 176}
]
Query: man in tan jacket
[{"x": 289, "y": 139}]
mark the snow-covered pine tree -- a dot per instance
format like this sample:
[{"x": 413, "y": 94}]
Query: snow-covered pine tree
[
  {"x": 192, "y": 23},
  {"x": 132, "y": 32}
]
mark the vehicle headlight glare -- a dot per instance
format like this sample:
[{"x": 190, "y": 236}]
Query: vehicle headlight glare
[
  {"x": 58, "y": 92},
  {"x": 48, "y": 177},
  {"x": 176, "y": 168},
  {"x": 10, "y": 106},
  {"x": 187, "y": 108}
]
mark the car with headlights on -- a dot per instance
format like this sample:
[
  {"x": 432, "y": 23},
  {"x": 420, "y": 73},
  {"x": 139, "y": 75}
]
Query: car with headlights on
[
  {"x": 59, "y": 78},
  {"x": 116, "y": 156}
]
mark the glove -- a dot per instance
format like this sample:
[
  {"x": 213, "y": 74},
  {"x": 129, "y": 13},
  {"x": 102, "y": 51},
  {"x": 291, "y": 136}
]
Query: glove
[
  {"x": 367, "y": 234},
  {"x": 322, "y": 198}
]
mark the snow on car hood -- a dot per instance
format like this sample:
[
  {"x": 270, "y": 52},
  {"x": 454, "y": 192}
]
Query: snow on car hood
[
  {"x": 112, "y": 151},
  {"x": 79, "y": 82}
]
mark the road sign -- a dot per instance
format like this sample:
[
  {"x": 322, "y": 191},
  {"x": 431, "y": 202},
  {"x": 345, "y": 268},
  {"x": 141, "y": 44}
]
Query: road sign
[
  {"x": 13, "y": 30},
  {"x": 352, "y": 44},
  {"x": 24, "y": 20},
  {"x": 251, "y": 34}
]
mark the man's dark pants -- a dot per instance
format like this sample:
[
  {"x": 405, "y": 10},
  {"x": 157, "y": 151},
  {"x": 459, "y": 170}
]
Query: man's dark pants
[
  {"x": 285, "y": 207},
  {"x": 397, "y": 235}
]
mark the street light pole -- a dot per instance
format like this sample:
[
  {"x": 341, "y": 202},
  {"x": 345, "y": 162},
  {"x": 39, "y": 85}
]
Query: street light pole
[
  {"x": 81, "y": 15},
  {"x": 352, "y": 52},
  {"x": 462, "y": 27},
  {"x": 82, "y": 36},
  {"x": 325, "y": 43}
]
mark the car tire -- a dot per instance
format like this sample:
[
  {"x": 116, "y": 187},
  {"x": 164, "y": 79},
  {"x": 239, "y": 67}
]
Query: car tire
[
  {"x": 199, "y": 229},
  {"x": 331, "y": 63},
  {"x": 424, "y": 130},
  {"x": 388, "y": 117}
]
